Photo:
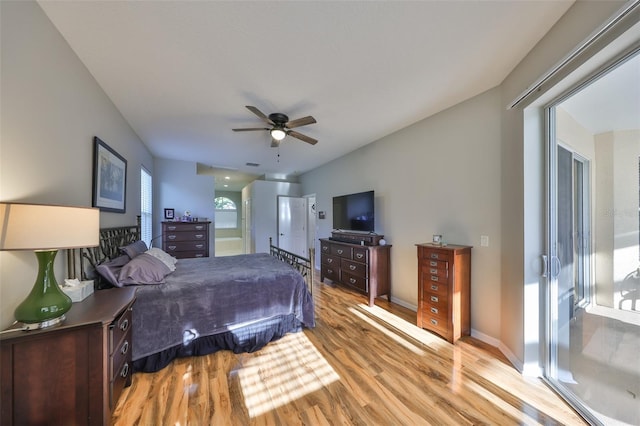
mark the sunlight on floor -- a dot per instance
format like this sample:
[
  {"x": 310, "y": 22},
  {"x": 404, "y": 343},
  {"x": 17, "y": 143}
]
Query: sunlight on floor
[
  {"x": 407, "y": 328},
  {"x": 285, "y": 370}
]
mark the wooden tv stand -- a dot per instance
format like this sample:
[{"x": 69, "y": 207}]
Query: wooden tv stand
[{"x": 365, "y": 268}]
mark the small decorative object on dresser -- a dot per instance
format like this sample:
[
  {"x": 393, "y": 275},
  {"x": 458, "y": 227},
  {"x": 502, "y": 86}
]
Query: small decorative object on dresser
[
  {"x": 169, "y": 214},
  {"x": 186, "y": 239},
  {"x": 71, "y": 374},
  {"x": 365, "y": 268},
  {"x": 444, "y": 290}
]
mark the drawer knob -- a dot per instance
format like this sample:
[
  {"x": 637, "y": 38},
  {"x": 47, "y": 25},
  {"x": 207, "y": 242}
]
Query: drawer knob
[
  {"x": 198, "y": 236},
  {"x": 433, "y": 271},
  {"x": 434, "y": 287},
  {"x": 340, "y": 251},
  {"x": 329, "y": 260},
  {"x": 352, "y": 267},
  {"x": 325, "y": 248},
  {"x": 432, "y": 263},
  {"x": 171, "y": 228},
  {"x": 434, "y": 278},
  {"x": 330, "y": 271},
  {"x": 434, "y": 298},
  {"x": 352, "y": 280},
  {"x": 434, "y": 322},
  {"x": 199, "y": 255},
  {"x": 434, "y": 255},
  {"x": 125, "y": 370},
  {"x": 172, "y": 247},
  {"x": 125, "y": 347},
  {"x": 171, "y": 237},
  {"x": 199, "y": 246},
  {"x": 434, "y": 310},
  {"x": 125, "y": 324},
  {"x": 359, "y": 255},
  {"x": 199, "y": 227}
]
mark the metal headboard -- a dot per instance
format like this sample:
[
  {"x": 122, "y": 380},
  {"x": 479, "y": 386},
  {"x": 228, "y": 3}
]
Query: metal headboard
[{"x": 81, "y": 263}]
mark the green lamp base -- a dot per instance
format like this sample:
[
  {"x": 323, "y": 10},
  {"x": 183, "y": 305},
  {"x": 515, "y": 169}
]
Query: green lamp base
[{"x": 46, "y": 305}]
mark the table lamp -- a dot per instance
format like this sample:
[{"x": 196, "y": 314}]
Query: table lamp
[{"x": 45, "y": 229}]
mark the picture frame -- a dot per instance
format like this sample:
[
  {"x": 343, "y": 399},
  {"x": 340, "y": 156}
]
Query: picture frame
[
  {"x": 169, "y": 214},
  {"x": 109, "y": 178}
]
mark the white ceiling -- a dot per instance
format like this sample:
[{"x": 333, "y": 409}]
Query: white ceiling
[
  {"x": 610, "y": 103},
  {"x": 182, "y": 72}
]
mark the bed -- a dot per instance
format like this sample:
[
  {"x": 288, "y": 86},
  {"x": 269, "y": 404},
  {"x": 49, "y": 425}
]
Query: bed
[{"x": 237, "y": 303}]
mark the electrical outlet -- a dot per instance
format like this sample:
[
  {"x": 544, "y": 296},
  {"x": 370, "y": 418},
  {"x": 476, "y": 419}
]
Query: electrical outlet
[{"x": 484, "y": 241}]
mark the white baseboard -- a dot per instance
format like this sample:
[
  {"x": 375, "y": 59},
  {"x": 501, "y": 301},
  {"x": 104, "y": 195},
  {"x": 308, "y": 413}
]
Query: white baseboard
[
  {"x": 517, "y": 363},
  {"x": 404, "y": 304}
]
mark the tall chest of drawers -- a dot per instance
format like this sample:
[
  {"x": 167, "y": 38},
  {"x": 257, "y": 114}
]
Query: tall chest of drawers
[
  {"x": 72, "y": 373},
  {"x": 366, "y": 269},
  {"x": 186, "y": 239},
  {"x": 444, "y": 290}
]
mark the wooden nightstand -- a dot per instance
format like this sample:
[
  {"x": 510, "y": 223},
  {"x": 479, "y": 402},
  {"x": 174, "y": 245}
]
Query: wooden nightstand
[{"x": 71, "y": 374}]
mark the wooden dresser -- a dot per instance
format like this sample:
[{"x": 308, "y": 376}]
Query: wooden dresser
[
  {"x": 366, "y": 269},
  {"x": 186, "y": 239},
  {"x": 444, "y": 290},
  {"x": 73, "y": 373}
]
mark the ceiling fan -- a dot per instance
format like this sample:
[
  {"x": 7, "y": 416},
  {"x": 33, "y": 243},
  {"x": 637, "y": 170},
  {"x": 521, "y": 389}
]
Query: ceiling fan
[{"x": 281, "y": 126}]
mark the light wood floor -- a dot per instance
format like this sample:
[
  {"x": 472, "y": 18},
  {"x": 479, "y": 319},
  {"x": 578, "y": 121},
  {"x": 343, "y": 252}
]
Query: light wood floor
[{"x": 359, "y": 365}]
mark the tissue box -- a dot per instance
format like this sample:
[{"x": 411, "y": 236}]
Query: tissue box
[{"x": 78, "y": 293}]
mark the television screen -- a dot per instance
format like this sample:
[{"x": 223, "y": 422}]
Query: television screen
[{"x": 354, "y": 212}]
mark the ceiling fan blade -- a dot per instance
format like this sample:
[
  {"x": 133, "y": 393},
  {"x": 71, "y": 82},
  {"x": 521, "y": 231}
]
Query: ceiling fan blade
[
  {"x": 275, "y": 143},
  {"x": 302, "y": 137},
  {"x": 300, "y": 122},
  {"x": 251, "y": 129},
  {"x": 260, "y": 114}
]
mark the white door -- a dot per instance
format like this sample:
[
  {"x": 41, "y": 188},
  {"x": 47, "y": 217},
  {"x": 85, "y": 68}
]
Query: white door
[{"x": 292, "y": 224}]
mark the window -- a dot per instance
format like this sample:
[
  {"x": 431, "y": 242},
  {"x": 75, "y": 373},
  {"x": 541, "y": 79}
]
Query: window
[
  {"x": 226, "y": 213},
  {"x": 146, "y": 207}
]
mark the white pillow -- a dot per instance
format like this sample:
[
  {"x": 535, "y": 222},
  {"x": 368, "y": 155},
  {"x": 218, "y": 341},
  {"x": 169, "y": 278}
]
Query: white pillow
[{"x": 165, "y": 257}]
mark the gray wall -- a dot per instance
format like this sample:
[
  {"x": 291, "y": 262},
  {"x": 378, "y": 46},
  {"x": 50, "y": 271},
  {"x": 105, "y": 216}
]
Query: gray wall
[
  {"x": 438, "y": 176},
  {"x": 176, "y": 185},
  {"x": 51, "y": 108}
]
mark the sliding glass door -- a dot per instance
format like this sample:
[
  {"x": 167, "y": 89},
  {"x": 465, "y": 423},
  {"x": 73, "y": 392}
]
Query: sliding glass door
[{"x": 593, "y": 278}]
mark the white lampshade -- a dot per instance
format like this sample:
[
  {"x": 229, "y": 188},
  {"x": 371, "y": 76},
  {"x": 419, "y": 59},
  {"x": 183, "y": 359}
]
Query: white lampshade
[
  {"x": 278, "y": 134},
  {"x": 43, "y": 227}
]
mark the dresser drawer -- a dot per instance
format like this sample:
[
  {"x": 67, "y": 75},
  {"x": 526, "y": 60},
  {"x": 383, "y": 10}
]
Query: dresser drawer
[
  {"x": 360, "y": 254},
  {"x": 185, "y": 236},
  {"x": 353, "y": 268},
  {"x": 185, "y": 226},
  {"x": 342, "y": 251},
  {"x": 357, "y": 282},
  {"x": 438, "y": 324},
  {"x": 433, "y": 254},
  {"x": 331, "y": 272},
  {"x": 325, "y": 248},
  {"x": 331, "y": 261},
  {"x": 436, "y": 264},
  {"x": 436, "y": 305},
  {"x": 440, "y": 289},
  {"x": 441, "y": 272},
  {"x": 185, "y": 246}
]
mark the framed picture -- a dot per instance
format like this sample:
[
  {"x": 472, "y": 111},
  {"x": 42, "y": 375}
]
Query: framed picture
[
  {"x": 109, "y": 178},
  {"x": 169, "y": 214}
]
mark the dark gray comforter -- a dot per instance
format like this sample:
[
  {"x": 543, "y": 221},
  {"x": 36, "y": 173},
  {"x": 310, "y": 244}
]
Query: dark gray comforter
[{"x": 207, "y": 296}]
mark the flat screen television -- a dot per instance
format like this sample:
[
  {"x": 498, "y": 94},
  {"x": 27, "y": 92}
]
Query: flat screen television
[{"x": 354, "y": 212}]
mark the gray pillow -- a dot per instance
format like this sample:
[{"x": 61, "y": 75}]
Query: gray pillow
[
  {"x": 134, "y": 249},
  {"x": 110, "y": 270},
  {"x": 143, "y": 269}
]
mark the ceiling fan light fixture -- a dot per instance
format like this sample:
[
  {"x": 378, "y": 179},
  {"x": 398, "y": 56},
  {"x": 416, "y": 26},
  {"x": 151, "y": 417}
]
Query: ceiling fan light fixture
[{"x": 278, "y": 134}]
